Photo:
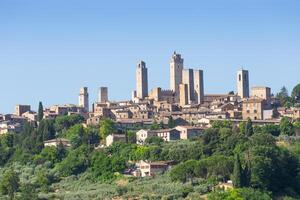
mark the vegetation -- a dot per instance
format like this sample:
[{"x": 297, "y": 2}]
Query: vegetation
[{"x": 263, "y": 163}]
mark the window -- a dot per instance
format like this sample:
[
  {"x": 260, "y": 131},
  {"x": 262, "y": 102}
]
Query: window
[{"x": 240, "y": 77}]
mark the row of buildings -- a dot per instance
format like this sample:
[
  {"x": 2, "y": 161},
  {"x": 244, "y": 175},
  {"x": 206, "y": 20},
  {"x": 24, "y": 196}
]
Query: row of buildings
[{"x": 185, "y": 101}]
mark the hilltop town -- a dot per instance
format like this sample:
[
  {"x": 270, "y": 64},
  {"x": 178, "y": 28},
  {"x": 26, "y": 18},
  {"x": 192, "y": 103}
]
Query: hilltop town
[
  {"x": 185, "y": 102},
  {"x": 176, "y": 143}
]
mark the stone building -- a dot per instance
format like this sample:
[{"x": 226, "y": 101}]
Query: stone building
[
  {"x": 166, "y": 134},
  {"x": 20, "y": 109},
  {"x": 188, "y": 79},
  {"x": 141, "y": 80},
  {"x": 243, "y": 83},
  {"x": 187, "y": 132},
  {"x": 84, "y": 98},
  {"x": 198, "y": 87},
  {"x": 157, "y": 94},
  {"x": 103, "y": 95},
  {"x": 184, "y": 95},
  {"x": 145, "y": 168},
  {"x": 256, "y": 109},
  {"x": 56, "y": 142},
  {"x": 110, "y": 139},
  {"x": 176, "y": 67},
  {"x": 261, "y": 92}
]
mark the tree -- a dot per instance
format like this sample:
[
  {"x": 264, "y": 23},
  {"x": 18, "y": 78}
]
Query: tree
[
  {"x": 237, "y": 172},
  {"x": 171, "y": 122},
  {"x": 239, "y": 194},
  {"x": 222, "y": 124},
  {"x": 107, "y": 127},
  {"x": 40, "y": 112},
  {"x": 62, "y": 123},
  {"x": 131, "y": 137},
  {"x": 283, "y": 95},
  {"x": 28, "y": 192},
  {"x": 184, "y": 172},
  {"x": 249, "y": 128},
  {"x": 10, "y": 183},
  {"x": 101, "y": 166},
  {"x": 286, "y": 127},
  {"x": 271, "y": 129},
  {"x": 46, "y": 130},
  {"x": 154, "y": 125},
  {"x": 75, "y": 163},
  {"x": 296, "y": 93},
  {"x": 76, "y": 135},
  {"x": 154, "y": 140}
]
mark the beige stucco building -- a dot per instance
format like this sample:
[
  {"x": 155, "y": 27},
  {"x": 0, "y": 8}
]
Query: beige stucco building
[
  {"x": 253, "y": 108},
  {"x": 261, "y": 92},
  {"x": 20, "y": 109}
]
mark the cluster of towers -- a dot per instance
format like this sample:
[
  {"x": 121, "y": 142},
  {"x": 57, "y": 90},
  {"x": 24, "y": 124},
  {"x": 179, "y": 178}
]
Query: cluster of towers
[
  {"x": 84, "y": 97},
  {"x": 187, "y": 84}
]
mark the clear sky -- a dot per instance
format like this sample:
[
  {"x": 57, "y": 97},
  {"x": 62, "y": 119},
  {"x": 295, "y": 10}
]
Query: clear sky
[{"x": 50, "y": 48}]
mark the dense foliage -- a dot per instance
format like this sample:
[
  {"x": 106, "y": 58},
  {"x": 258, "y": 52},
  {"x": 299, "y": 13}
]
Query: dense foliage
[{"x": 262, "y": 162}]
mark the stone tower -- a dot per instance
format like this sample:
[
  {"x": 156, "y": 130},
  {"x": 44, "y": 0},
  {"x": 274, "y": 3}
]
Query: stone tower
[
  {"x": 141, "y": 80},
  {"x": 183, "y": 97},
  {"x": 198, "y": 86},
  {"x": 243, "y": 83},
  {"x": 103, "y": 95},
  {"x": 176, "y": 67},
  {"x": 84, "y": 98},
  {"x": 188, "y": 79}
]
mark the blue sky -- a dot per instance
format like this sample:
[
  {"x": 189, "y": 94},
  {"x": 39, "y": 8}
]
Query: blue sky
[{"x": 50, "y": 48}]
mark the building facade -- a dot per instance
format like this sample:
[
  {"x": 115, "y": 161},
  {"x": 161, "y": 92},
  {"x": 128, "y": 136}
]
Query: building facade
[
  {"x": 188, "y": 79},
  {"x": 253, "y": 108},
  {"x": 20, "y": 109},
  {"x": 103, "y": 95},
  {"x": 141, "y": 80},
  {"x": 84, "y": 98},
  {"x": 243, "y": 83},
  {"x": 176, "y": 67},
  {"x": 261, "y": 92},
  {"x": 183, "y": 98},
  {"x": 198, "y": 86}
]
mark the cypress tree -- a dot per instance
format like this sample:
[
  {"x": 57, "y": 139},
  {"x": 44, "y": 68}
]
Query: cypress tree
[
  {"x": 171, "y": 122},
  {"x": 237, "y": 172},
  {"x": 249, "y": 128},
  {"x": 40, "y": 112}
]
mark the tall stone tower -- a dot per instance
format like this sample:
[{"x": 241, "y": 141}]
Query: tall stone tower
[
  {"x": 141, "y": 80},
  {"x": 84, "y": 98},
  {"x": 188, "y": 79},
  {"x": 243, "y": 83},
  {"x": 176, "y": 67},
  {"x": 103, "y": 95},
  {"x": 183, "y": 97},
  {"x": 198, "y": 86}
]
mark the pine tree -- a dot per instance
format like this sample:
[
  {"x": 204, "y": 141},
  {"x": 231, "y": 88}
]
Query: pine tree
[
  {"x": 40, "y": 112},
  {"x": 237, "y": 172}
]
